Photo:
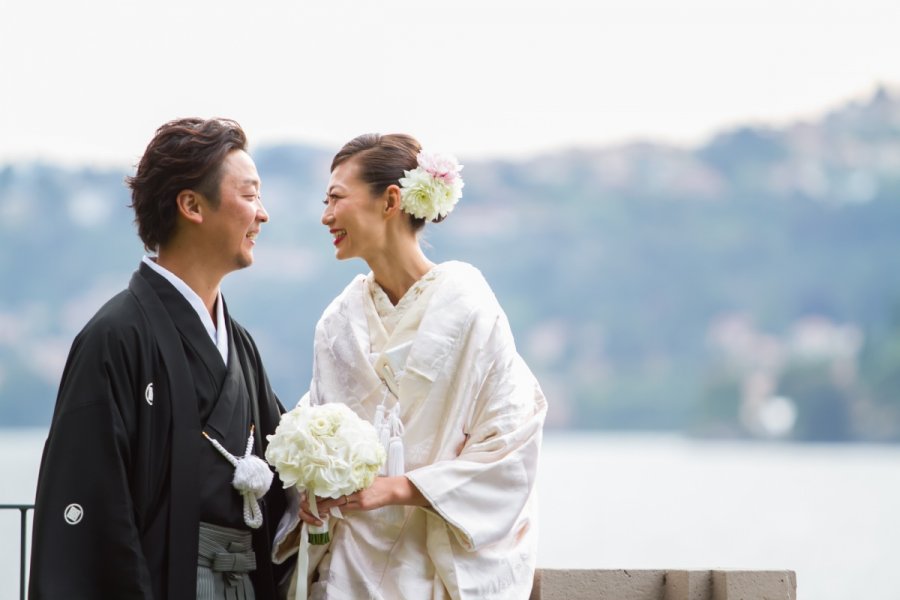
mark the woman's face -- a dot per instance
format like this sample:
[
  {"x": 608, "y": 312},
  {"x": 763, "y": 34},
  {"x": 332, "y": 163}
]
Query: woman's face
[{"x": 353, "y": 216}]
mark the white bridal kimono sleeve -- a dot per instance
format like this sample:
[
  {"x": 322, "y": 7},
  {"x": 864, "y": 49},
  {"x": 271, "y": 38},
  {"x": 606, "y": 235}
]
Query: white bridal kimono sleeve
[{"x": 472, "y": 416}]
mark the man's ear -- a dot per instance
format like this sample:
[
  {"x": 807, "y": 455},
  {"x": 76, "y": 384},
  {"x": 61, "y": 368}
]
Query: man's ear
[
  {"x": 189, "y": 206},
  {"x": 392, "y": 201}
]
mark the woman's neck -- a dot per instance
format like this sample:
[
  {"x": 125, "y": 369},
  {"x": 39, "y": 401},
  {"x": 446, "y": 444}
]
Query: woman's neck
[{"x": 397, "y": 271}]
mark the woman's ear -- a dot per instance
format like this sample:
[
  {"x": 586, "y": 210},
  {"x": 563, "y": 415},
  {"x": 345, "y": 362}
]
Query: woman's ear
[
  {"x": 392, "y": 201},
  {"x": 189, "y": 206}
]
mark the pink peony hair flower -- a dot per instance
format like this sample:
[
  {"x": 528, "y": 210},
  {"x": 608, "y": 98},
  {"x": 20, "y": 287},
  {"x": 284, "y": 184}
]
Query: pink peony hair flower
[{"x": 433, "y": 188}]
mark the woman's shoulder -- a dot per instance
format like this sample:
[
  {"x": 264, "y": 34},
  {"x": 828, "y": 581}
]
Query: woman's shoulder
[
  {"x": 356, "y": 284},
  {"x": 466, "y": 274},
  {"x": 340, "y": 304},
  {"x": 464, "y": 283}
]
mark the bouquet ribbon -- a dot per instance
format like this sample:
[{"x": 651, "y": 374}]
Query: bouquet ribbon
[
  {"x": 307, "y": 532},
  {"x": 302, "y": 568}
]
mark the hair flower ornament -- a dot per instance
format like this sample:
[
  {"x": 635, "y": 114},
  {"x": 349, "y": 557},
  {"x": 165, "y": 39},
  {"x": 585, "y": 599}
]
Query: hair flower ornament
[{"x": 433, "y": 188}]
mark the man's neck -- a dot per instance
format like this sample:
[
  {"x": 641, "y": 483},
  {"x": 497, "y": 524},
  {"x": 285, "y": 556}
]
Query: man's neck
[{"x": 196, "y": 275}]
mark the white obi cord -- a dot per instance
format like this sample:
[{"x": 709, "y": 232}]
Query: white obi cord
[
  {"x": 391, "y": 366},
  {"x": 252, "y": 478}
]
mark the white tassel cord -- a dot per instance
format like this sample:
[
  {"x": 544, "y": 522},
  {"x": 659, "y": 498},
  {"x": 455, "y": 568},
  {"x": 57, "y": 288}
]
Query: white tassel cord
[
  {"x": 389, "y": 427},
  {"x": 252, "y": 478},
  {"x": 395, "y": 462},
  {"x": 383, "y": 429}
]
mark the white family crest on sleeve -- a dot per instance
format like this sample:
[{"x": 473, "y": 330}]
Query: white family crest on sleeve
[
  {"x": 148, "y": 394},
  {"x": 73, "y": 514}
]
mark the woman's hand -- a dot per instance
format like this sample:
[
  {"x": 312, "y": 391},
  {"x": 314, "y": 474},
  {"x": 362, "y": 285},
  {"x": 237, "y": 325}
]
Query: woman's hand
[{"x": 384, "y": 491}]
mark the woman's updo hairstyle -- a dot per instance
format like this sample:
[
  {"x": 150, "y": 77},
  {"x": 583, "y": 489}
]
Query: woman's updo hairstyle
[{"x": 382, "y": 160}]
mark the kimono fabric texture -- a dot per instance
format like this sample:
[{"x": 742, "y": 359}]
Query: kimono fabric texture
[
  {"x": 472, "y": 415},
  {"x": 126, "y": 476}
]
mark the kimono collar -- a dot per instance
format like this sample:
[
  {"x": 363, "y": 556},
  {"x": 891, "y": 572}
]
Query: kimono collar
[
  {"x": 390, "y": 314},
  {"x": 218, "y": 333}
]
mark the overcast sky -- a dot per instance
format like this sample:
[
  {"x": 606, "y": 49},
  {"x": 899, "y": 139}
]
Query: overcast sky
[{"x": 88, "y": 82}]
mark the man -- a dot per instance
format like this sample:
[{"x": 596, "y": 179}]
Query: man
[{"x": 133, "y": 499}]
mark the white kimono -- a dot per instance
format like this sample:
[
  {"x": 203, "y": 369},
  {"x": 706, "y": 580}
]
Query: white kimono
[{"x": 472, "y": 414}]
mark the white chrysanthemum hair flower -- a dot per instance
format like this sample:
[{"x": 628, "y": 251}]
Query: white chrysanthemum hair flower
[{"x": 433, "y": 188}]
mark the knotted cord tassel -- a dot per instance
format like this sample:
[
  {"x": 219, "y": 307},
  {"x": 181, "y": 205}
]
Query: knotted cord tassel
[
  {"x": 379, "y": 416},
  {"x": 383, "y": 428},
  {"x": 252, "y": 479},
  {"x": 228, "y": 456},
  {"x": 395, "y": 461}
]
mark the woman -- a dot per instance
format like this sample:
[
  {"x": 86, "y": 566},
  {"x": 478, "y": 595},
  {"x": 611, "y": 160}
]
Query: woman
[{"x": 425, "y": 352}]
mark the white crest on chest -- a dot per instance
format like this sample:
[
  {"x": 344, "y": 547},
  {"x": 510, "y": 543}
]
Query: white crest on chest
[
  {"x": 73, "y": 514},
  {"x": 148, "y": 394}
]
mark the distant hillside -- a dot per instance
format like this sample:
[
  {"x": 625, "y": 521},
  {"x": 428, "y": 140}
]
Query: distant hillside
[{"x": 747, "y": 287}]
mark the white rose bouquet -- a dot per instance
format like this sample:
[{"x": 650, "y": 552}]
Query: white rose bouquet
[{"x": 325, "y": 450}]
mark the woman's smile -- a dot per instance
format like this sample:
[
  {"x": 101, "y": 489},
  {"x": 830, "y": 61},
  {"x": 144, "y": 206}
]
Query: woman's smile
[{"x": 339, "y": 235}]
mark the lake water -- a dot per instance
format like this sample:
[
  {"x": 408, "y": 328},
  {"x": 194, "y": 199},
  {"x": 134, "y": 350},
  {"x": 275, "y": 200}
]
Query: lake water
[{"x": 829, "y": 512}]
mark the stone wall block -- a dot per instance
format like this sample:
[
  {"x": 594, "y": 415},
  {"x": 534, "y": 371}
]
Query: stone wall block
[
  {"x": 614, "y": 584},
  {"x": 688, "y": 585},
  {"x": 754, "y": 585}
]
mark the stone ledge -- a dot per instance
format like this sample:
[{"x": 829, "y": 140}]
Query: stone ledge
[{"x": 649, "y": 584}]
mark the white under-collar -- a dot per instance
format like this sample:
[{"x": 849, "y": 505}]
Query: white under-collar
[{"x": 217, "y": 333}]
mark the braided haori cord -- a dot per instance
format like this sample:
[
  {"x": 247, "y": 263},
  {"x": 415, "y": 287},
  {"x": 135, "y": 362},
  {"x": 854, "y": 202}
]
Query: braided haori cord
[{"x": 252, "y": 478}]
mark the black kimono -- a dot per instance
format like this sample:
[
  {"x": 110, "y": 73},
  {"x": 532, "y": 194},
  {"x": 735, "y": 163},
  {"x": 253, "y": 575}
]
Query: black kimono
[{"x": 126, "y": 475}]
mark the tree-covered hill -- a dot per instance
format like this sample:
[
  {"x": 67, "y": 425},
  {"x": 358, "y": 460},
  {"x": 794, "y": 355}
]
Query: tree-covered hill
[{"x": 745, "y": 287}]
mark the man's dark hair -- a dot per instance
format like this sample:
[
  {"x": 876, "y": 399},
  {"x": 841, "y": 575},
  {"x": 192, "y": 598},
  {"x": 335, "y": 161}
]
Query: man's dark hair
[{"x": 183, "y": 154}]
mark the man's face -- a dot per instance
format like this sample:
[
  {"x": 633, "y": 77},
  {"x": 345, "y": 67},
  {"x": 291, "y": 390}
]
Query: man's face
[{"x": 232, "y": 227}]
